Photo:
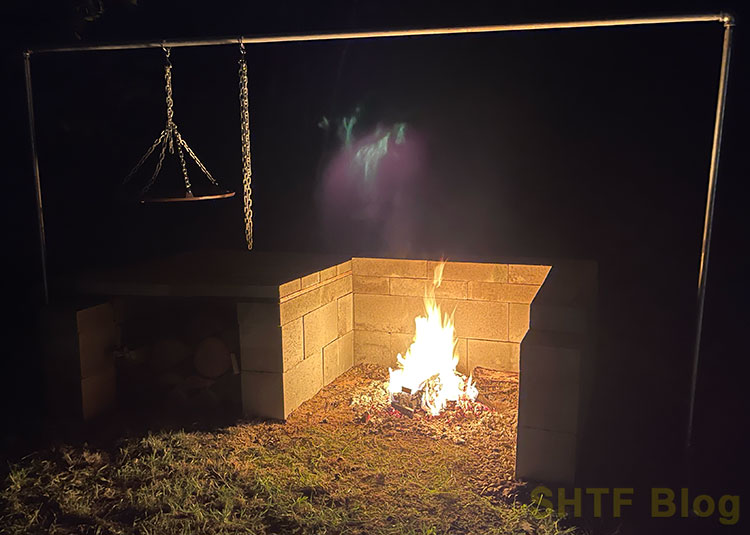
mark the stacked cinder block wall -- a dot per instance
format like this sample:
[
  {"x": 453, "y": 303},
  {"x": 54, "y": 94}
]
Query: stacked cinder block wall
[
  {"x": 552, "y": 389},
  {"x": 363, "y": 310},
  {"x": 291, "y": 347},
  {"x": 78, "y": 346},
  {"x": 490, "y": 304}
]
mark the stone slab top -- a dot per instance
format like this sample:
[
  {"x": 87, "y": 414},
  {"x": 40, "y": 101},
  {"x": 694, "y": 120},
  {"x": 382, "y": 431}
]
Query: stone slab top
[
  {"x": 211, "y": 273},
  {"x": 241, "y": 274}
]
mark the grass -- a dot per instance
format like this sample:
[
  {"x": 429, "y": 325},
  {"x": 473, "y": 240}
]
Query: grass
[{"x": 259, "y": 478}]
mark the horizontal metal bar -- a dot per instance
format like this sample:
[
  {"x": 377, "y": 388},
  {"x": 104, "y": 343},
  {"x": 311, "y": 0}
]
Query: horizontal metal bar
[{"x": 720, "y": 17}]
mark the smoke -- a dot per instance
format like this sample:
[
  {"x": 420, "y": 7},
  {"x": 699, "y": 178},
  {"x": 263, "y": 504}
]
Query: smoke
[{"x": 367, "y": 188}]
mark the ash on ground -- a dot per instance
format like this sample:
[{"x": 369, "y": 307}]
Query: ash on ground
[{"x": 493, "y": 419}]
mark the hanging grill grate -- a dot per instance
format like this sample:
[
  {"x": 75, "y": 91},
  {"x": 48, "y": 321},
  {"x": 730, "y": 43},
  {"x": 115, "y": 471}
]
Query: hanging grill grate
[{"x": 171, "y": 140}]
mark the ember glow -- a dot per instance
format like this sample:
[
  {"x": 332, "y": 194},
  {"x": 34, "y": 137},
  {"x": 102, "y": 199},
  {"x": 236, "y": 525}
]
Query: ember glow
[{"x": 429, "y": 365}]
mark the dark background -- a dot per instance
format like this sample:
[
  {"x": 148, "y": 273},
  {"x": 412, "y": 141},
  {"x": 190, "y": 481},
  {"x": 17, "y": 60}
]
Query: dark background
[{"x": 590, "y": 143}]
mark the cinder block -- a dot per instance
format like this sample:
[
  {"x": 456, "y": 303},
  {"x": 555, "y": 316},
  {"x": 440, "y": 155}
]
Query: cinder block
[
  {"x": 346, "y": 351},
  {"x": 504, "y": 293},
  {"x": 344, "y": 267},
  {"x": 289, "y": 287},
  {"x": 96, "y": 348},
  {"x": 292, "y": 344},
  {"x": 386, "y": 267},
  {"x": 302, "y": 382},
  {"x": 96, "y": 318},
  {"x": 331, "y": 362},
  {"x": 335, "y": 289},
  {"x": 373, "y": 347},
  {"x": 452, "y": 289},
  {"x": 515, "y": 357},
  {"x": 463, "y": 354},
  {"x": 549, "y": 388},
  {"x": 559, "y": 318},
  {"x": 545, "y": 456},
  {"x": 320, "y": 328},
  {"x": 346, "y": 314},
  {"x": 98, "y": 393},
  {"x": 525, "y": 274},
  {"x": 310, "y": 280},
  {"x": 263, "y": 395},
  {"x": 298, "y": 306},
  {"x": 260, "y": 337},
  {"x": 370, "y": 285},
  {"x": 471, "y": 271},
  {"x": 571, "y": 283},
  {"x": 258, "y": 311},
  {"x": 400, "y": 344},
  {"x": 485, "y": 320},
  {"x": 518, "y": 322},
  {"x": 263, "y": 359},
  {"x": 411, "y": 287},
  {"x": 328, "y": 273},
  {"x": 491, "y": 354},
  {"x": 387, "y": 313}
]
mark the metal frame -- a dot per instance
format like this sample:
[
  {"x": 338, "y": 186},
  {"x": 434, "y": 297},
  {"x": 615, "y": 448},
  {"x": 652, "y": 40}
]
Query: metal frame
[{"x": 724, "y": 18}]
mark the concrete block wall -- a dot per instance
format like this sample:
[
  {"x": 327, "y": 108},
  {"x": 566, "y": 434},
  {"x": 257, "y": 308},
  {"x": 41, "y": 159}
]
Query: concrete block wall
[
  {"x": 292, "y": 347},
  {"x": 490, "y": 304},
  {"x": 363, "y": 310},
  {"x": 79, "y": 345},
  {"x": 562, "y": 335}
]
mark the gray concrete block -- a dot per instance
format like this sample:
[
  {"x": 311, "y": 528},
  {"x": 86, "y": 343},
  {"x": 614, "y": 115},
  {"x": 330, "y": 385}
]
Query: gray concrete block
[{"x": 545, "y": 456}]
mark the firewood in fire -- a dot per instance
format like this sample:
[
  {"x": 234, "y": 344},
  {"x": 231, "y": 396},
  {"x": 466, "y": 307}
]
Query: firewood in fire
[
  {"x": 406, "y": 402},
  {"x": 406, "y": 411}
]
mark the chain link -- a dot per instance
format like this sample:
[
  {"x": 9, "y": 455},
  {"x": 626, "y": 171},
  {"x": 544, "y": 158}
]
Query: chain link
[
  {"x": 168, "y": 139},
  {"x": 143, "y": 159},
  {"x": 188, "y": 186},
  {"x": 246, "y": 161},
  {"x": 200, "y": 165},
  {"x": 157, "y": 169}
]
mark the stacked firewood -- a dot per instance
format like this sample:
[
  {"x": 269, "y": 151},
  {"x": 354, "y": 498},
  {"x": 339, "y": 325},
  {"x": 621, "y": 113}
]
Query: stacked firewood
[{"x": 191, "y": 368}]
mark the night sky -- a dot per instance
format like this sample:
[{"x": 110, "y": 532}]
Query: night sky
[{"x": 588, "y": 144}]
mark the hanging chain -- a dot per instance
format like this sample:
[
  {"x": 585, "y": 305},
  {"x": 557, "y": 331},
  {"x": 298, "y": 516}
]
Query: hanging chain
[
  {"x": 168, "y": 88},
  {"x": 171, "y": 128},
  {"x": 200, "y": 165},
  {"x": 157, "y": 169},
  {"x": 168, "y": 138},
  {"x": 246, "y": 163},
  {"x": 143, "y": 159}
]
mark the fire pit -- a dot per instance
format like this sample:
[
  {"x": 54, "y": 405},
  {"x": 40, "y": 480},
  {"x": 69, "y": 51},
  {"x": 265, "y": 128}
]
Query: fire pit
[{"x": 433, "y": 325}]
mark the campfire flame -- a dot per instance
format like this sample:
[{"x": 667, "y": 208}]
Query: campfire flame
[{"x": 429, "y": 365}]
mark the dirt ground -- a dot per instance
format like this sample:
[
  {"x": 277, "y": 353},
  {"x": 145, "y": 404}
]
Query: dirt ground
[{"x": 486, "y": 434}]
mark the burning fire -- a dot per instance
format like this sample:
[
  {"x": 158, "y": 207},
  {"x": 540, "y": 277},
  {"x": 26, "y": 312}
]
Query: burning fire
[{"x": 429, "y": 365}]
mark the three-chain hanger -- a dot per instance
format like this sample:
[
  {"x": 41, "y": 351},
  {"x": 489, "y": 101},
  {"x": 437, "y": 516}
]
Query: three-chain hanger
[{"x": 171, "y": 140}]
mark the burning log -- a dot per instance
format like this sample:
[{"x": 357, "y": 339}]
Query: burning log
[
  {"x": 405, "y": 402},
  {"x": 403, "y": 409}
]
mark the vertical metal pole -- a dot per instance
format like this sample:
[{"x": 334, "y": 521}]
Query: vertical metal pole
[
  {"x": 708, "y": 222},
  {"x": 37, "y": 183}
]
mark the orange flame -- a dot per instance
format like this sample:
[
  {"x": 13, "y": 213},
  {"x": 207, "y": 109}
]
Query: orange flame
[{"x": 429, "y": 364}]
